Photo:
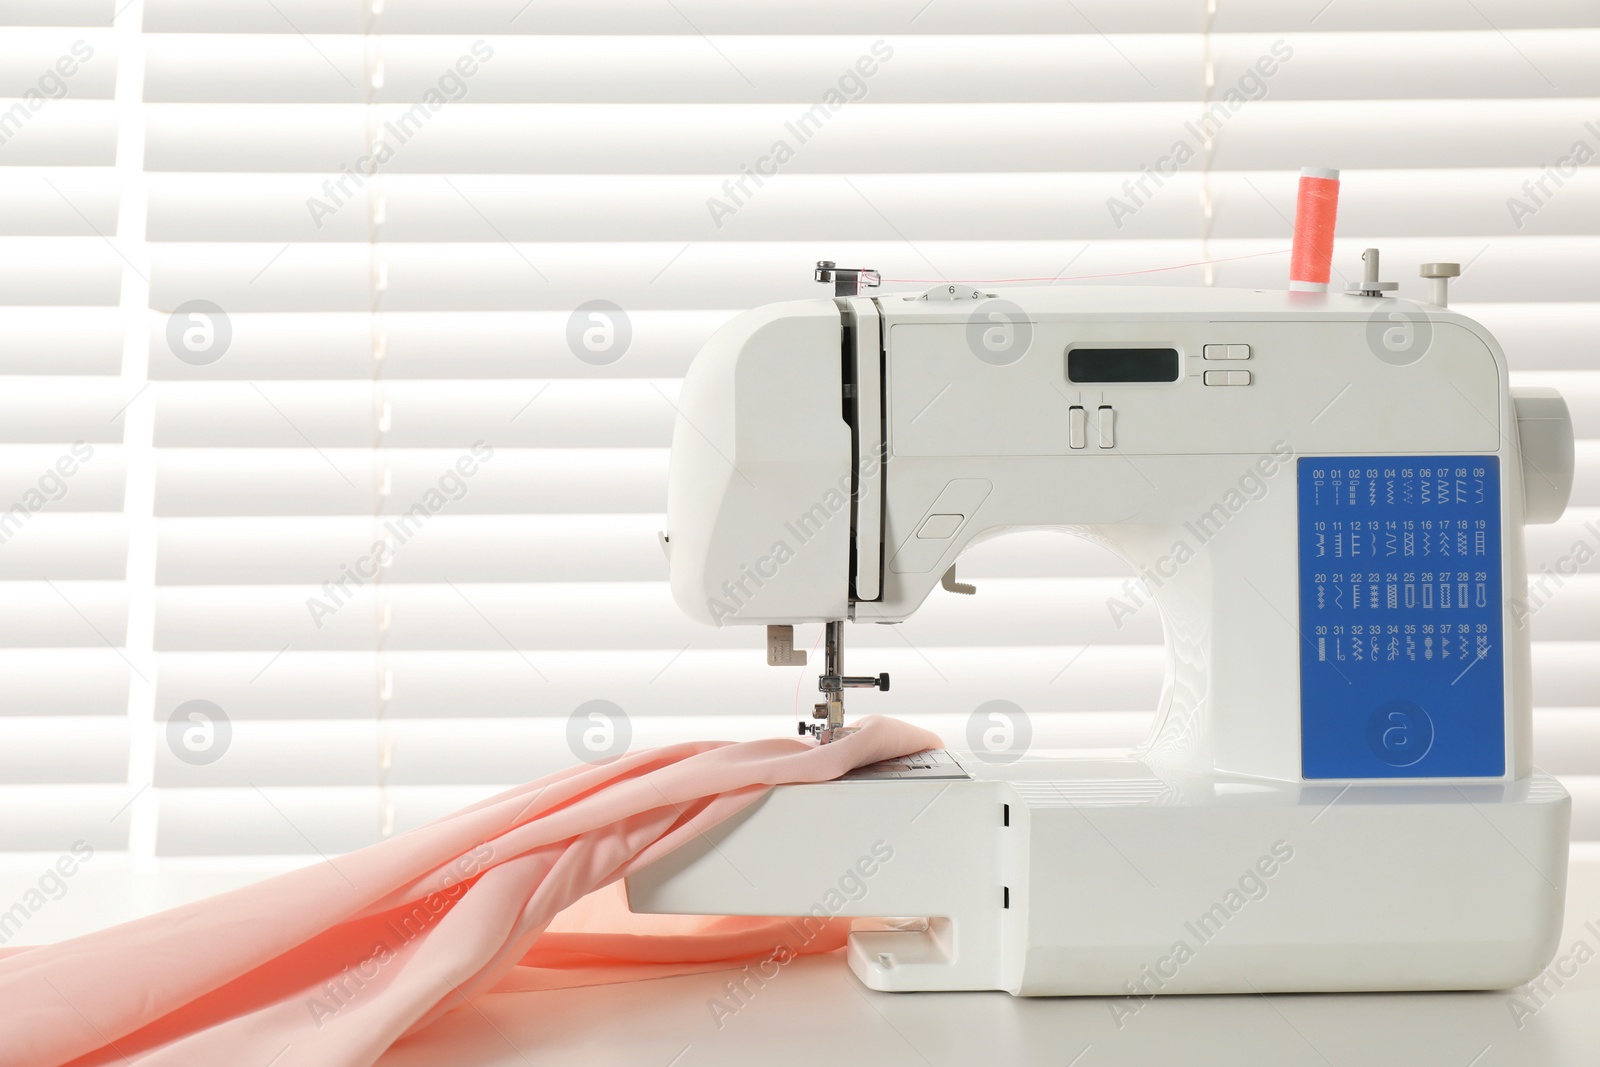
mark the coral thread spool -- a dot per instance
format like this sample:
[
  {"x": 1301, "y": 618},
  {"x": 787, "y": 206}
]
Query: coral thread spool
[{"x": 1315, "y": 212}]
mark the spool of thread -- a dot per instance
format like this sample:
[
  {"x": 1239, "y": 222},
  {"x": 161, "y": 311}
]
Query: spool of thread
[{"x": 1315, "y": 212}]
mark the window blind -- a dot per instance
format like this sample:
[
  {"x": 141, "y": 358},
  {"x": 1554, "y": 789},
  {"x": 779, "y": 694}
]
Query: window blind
[{"x": 284, "y": 283}]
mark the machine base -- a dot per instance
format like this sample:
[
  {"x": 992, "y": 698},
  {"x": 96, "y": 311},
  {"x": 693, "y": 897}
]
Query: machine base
[{"x": 1052, "y": 876}]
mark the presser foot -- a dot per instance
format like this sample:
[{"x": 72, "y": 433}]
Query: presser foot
[{"x": 829, "y": 723}]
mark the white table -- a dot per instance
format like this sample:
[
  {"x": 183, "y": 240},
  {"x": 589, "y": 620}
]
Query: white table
[{"x": 815, "y": 1012}]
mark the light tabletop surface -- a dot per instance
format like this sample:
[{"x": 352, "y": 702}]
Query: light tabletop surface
[{"x": 815, "y": 1012}]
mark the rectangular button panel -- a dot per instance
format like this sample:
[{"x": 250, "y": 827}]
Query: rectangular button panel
[
  {"x": 1227, "y": 351},
  {"x": 1227, "y": 377},
  {"x": 1107, "y": 425}
]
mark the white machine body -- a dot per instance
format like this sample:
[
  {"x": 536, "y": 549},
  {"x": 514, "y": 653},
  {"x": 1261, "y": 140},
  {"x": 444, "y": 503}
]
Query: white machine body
[{"x": 1326, "y": 496}]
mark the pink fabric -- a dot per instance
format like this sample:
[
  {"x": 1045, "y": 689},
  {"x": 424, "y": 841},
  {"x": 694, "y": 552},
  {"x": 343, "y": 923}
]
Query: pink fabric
[{"x": 337, "y": 961}]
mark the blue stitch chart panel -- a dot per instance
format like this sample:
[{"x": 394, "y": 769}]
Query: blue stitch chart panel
[{"x": 1401, "y": 669}]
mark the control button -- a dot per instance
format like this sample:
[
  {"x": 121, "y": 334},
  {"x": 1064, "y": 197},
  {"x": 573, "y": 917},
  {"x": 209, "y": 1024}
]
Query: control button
[
  {"x": 1227, "y": 377},
  {"x": 1077, "y": 434},
  {"x": 940, "y": 527},
  {"x": 1107, "y": 424},
  {"x": 1227, "y": 351}
]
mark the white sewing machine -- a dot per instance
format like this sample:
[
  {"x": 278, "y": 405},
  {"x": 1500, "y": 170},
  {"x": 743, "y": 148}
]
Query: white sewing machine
[{"x": 1326, "y": 493}]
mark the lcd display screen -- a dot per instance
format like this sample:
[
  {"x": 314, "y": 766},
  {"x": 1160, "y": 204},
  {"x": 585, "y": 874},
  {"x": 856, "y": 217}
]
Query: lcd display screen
[{"x": 1102, "y": 365}]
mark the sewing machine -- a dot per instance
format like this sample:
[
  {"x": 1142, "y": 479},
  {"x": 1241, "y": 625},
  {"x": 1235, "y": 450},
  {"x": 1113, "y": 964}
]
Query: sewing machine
[{"x": 1325, "y": 494}]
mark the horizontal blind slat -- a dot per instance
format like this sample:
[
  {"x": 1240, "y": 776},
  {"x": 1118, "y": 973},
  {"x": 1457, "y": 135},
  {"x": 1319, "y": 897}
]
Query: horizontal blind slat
[
  {"x": 57, "y": 201},
  {"x": 844, "y": 16},
  {"x": 54, "y": 479},
  {"x": 62, "y": 133},
  {"x": 64, "y": 681},
  {"x": 46, "y": 272},
  {"x": 1292, "y": 65},
  {"x": 56, "y": 12},
  {"x": 423, "y": 547},
  {"x": 62, "y": 547},
  {"x": 63, "y": 614},
  {"x": 64, "y": 749},
  {"x": 290, "y": 482},
  {"x": 434, "y": 345},
  {"x": 788, "y": 207},
  {"x": 44, "y": 411},
  {"x": 60, "y": 341},
  {"x": 863, "y": 138},
  {"x": 49, "y": 818},
  {"x": 573, "y": 413}
]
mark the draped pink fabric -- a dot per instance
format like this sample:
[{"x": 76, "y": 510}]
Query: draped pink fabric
[{"x": 333, "y": 963}]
